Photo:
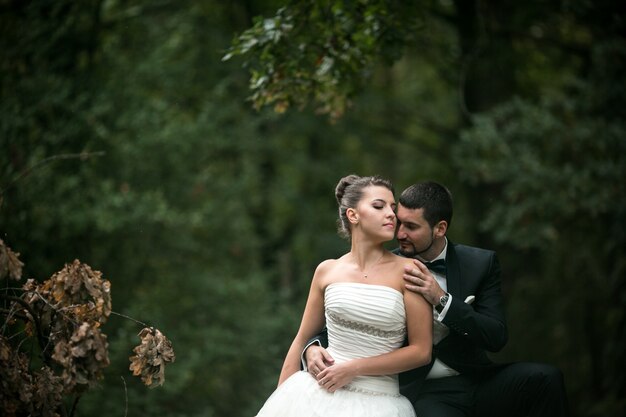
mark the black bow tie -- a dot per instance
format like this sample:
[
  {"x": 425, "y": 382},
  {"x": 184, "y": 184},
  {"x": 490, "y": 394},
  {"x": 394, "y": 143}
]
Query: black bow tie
[{"x": 438, "y": 266}]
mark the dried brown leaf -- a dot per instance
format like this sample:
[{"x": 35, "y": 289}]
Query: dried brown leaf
[
  {"x": 83, "y": 357},
  {"x": 25, "y": 393},
  {"x": 47, "y": 393},
  {"x": 80, "y": 292},
  {"x": 9, "y": 263},
  {"x": 151, "y": 356},
  {"x": 16, "y": 382}
]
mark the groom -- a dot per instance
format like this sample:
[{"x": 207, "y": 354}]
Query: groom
[{"x": 463, "y": 285}]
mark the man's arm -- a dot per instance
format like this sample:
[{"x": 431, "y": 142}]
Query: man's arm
[
  {"x": 484, "y": 321},
  {"x": 315, "y": 358},
  {"x": 320, "y": 340}
]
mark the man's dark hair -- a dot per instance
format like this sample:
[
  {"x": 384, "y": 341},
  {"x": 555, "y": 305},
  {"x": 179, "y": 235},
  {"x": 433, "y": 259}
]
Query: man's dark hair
[{"x": 434, "y": 198}]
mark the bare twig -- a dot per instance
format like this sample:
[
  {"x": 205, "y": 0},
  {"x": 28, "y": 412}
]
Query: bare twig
[
  {"x": 125, "y": 397},
  {"x": 28, "y": 171},
  {"x": 27, "y": 307},
  {"x": 55, "y": 308},
  {"x": 130, "y": 318},
  {"x": 74, "y": 405}
]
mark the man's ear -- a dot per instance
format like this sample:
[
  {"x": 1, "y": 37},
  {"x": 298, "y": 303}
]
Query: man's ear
[
  {"x": 352, "y": 216},
  {"x": 441, "y": 228}
]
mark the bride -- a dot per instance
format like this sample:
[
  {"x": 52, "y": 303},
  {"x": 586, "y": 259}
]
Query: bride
[{"x": 376, "y": 329}]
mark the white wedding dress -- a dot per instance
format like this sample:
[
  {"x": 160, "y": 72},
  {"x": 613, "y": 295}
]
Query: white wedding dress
[{"x": 362, "y": 320}]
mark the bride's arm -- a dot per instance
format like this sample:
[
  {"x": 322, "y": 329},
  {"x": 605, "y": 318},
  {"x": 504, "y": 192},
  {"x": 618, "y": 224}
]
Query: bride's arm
[
  {"x": 312, "y": 323},
  {"x": 417, "y": 353},
  {"x": 419, "y": 321}
]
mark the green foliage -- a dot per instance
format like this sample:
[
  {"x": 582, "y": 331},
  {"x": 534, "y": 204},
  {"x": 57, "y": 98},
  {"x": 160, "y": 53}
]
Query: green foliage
[
  {"x": 331, "y": 66},
  {"x": 553, "y": 165},
  {"x": 557, "y": 169},
  {"x": 543, "y": 154},
  {"x": 127, "y": 143}
]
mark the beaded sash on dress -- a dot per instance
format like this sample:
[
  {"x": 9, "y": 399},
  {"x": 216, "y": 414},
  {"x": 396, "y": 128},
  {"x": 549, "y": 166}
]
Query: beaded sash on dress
[{"x": 365, "y": 320}]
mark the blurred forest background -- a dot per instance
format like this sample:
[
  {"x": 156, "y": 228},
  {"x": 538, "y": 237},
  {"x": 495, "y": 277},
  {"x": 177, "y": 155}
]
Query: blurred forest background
[{"x": 202, "y": 188}]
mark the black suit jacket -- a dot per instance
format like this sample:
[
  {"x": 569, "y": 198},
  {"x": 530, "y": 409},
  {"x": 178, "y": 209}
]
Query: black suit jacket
[{"x": 474, "y": 329}]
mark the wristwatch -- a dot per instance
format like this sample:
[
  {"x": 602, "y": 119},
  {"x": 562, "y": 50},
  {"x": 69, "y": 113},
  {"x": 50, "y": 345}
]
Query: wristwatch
[{"x": 442, "y": 302}]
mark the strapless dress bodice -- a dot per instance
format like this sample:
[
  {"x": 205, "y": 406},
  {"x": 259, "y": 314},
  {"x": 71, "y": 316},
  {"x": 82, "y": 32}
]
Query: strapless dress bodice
[
  {"x": 365, "y": 320},
  {"x": 362, "y": 320}
]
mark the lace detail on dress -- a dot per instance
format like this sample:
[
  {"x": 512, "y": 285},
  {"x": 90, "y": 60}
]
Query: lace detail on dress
[
  {"x": 368, "y": 392},
  {"x": 365, "y": 328}
]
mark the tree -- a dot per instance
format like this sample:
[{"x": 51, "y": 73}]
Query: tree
[
  {"x": 128, "y": 144},
  {"x": 331, "y": 66},
  {"x": 556, "y": 165},
  {"x": 540, "y": 126},
  {"x": 52, "y": 346}
]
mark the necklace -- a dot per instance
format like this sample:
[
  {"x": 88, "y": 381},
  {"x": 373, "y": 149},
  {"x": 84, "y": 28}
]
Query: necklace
[{"x": 373, "y": 265}]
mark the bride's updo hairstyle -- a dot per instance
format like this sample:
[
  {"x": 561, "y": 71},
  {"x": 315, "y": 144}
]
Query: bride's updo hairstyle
[{"x": 349, "y": 192}]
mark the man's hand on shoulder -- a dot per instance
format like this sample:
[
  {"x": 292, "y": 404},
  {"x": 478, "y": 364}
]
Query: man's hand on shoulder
[{"x": 420, "y": 280}]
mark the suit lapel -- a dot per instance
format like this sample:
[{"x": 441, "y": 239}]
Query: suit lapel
[{"x": 453, "y": 273}]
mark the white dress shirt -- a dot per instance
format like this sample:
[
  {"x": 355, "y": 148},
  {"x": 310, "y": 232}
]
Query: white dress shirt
[{"x": 440, "y": 330}]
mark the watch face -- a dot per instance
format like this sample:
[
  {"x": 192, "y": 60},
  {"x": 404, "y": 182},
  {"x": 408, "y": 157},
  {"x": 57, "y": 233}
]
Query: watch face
[
  {"x": 442, "y": 303},
  {"x": 444, "y": 300}
]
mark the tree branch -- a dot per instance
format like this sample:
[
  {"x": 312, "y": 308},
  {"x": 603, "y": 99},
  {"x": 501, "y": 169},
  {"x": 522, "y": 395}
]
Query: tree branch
[
  {"x": 28, "y": 171},
  {"x": 40, "y": 336},
  {"x": 130, "y": 318}
]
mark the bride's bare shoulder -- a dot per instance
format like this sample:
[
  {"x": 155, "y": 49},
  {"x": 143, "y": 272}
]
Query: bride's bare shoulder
[
  {"x": 401, "y": 261},
  {"x": 326, "y": 265},
  {"x": 326, "y": 268}
]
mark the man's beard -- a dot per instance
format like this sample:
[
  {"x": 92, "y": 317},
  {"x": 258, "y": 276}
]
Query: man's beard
[
  {"x": 413, "y": 252},
  {"x": 409, "y": 253}
]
